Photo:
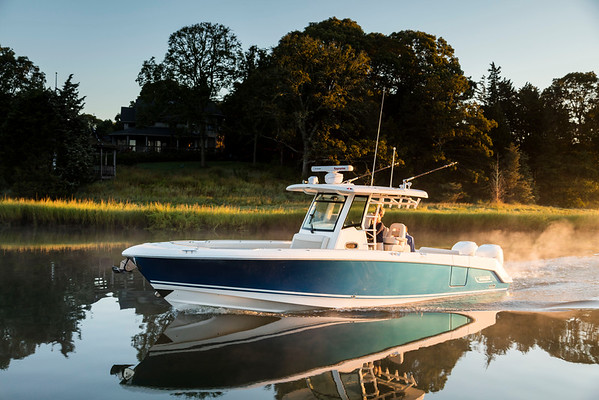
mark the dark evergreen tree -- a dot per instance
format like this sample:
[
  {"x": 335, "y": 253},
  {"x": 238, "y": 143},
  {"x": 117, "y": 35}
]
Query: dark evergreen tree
[
  {"x": 74, "y": 153},
  {"x": 498, "y": 98},
  {"x": 46, "y": 147},
  {"x": 517, "y": 182},
  {"x": 529, "y": 123}
]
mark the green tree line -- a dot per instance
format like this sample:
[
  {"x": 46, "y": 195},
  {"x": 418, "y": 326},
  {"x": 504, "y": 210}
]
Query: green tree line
[
  {"x": 46, "y": 142},
  {"x": 316, "y": 97}
]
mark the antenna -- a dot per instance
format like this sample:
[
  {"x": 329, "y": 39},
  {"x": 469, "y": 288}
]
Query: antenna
[
  {"x": 376, "y": 148},
  {"x": 392, "y": 165},
  {"x": 406, "y": 184},
  {"x": 362, "y": 176}
]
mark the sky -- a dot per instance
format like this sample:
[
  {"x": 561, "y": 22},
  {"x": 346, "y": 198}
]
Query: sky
[{"x": 104, "y": 43}]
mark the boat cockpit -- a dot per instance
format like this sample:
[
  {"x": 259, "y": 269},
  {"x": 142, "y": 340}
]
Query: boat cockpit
[{"x": 344, "y": 216}]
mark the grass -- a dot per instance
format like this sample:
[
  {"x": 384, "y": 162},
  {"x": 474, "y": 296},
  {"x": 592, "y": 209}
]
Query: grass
[
  {"x": 224, "y": 183},
  {"x": 235, "y": 196},
  {"x": 152, "y": 216},
  {"x": 484, "y": 217}
]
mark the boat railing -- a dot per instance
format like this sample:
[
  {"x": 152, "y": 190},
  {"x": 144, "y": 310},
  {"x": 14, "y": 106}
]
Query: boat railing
[
  {"x": 370, "y": 230},
  {"x": 400, "y": 201}
]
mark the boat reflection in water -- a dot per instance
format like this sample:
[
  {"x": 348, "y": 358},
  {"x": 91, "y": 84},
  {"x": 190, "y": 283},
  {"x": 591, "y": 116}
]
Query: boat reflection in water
[{"x": 338, "y": 356}]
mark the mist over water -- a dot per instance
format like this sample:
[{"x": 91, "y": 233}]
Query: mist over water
[
  {"x": 556, "y": 268},
  {"x": 560, "y": 239}
]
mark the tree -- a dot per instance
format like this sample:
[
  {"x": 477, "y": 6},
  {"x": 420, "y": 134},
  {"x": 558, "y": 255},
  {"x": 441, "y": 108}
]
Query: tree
[
  {"x": 202, "y": 59},
  {"x": 528, "y": 126},
  {"x": 318, "y": 81},
  {"x": 249, "y": 107},
  {"x": 496, "y": 183},
  {"x": 498, "y": 97},
  {"x": 518, "y": 185},
  {"x": 74, "y": 154},
  {"x": 18, "y": 74},
  {"x": 161, "y": 101},
  {"x": 573, "y": 97},
  {"x": 429, "y": 106},
  {"x": 344, "y": 32},
  {"x": 28, "y": 142},
  {"x": 99, "y": 128},
  {"x": 566, "y": 164},
  {"x": 46, "y": 142}
]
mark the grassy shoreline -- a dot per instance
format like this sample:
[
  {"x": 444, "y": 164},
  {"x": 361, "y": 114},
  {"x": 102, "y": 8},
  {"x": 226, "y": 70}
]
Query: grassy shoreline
[
  {"x": 152, "y": 216},
  {"x": 234, "y": 196},
  {"x": 186, "y": 218}
]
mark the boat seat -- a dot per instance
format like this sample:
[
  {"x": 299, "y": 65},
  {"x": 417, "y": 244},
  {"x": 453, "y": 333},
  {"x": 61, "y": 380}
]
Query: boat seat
[
  {"x": 309, "y": 241},
  {"x": 395, "y": 239}
]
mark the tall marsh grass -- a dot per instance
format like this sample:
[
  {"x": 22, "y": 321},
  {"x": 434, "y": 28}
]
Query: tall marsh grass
[
  {"x": 182, "y": 196},
  {"x": 152, "y": 216},
  {"x": 186, "y": 217},
  {"x": 487, "y": 217}
]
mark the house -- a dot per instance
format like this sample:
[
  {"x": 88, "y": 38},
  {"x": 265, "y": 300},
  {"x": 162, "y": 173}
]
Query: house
[{"x": 162, "y": 136}]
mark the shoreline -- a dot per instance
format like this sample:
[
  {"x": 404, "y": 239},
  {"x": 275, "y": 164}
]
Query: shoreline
[{"x": 186, "y": 218}]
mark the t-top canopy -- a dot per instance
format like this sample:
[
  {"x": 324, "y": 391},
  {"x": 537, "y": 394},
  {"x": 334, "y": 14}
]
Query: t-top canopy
[
  {"x": 389, "y": 196},
  {"x": 345, "y": 189}
]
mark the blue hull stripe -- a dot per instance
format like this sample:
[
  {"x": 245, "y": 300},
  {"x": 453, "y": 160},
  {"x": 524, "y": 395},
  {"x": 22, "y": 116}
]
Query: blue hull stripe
[{"x": 322, "y": 278}]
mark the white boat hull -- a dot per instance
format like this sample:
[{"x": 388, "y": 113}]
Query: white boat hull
[{"x": 279, "y": 279}]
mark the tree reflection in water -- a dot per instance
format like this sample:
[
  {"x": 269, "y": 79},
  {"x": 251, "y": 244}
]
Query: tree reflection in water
[
  {"x": 405, "y": 355},
  {"x": 45, "y": 297}
]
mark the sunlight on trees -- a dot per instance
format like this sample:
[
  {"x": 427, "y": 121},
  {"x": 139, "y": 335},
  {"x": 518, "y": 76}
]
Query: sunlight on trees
[{"x": 315, "y": 99}]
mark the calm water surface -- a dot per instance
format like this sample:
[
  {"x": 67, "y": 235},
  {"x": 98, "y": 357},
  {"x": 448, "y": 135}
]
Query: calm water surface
[{"x": 72, "y": 329}]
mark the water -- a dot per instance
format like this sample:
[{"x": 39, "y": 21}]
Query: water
[{"x": 72, "y": 328}]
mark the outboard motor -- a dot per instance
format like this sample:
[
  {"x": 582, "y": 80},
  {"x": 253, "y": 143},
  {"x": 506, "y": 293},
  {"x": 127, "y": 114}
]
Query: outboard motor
[
  {"x": 490, "y": 250},
  {"x": 465, "y": 248}
]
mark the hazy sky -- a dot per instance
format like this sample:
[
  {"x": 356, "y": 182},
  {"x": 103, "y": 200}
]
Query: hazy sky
[{"x": 104, "y": 43}]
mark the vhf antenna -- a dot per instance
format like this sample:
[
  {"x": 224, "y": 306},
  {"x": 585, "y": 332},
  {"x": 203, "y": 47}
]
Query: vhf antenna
[
  {"x": 406, "y": 184},
  {"x": 376, "y": 148}
]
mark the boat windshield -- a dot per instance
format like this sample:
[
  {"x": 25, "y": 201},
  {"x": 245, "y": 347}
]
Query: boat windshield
[
  {"x": 356, "y": 212},
  {"x": 324, "y": 212}
]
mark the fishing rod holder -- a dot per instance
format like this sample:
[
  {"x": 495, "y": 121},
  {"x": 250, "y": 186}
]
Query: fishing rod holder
[{"x": 406, "y": 184}]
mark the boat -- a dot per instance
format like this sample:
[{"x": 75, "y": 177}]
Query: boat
[
  {"x": 337, "y": 259},
  {"x": 217, "y": 352}
]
